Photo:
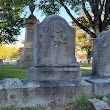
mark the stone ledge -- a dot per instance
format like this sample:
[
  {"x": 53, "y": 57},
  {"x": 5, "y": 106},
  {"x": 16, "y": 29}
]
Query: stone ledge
[
  {"x": 55, "y": 73},
  {"x": 44, "y": 95},
  {"x": 101, "y": 86}
]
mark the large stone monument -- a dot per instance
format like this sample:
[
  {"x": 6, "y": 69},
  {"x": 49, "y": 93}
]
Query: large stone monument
[
  {"x": 54, "y": 51},
  {"x": 26, "y": 56},
  {"x": 101, "y": 57}
]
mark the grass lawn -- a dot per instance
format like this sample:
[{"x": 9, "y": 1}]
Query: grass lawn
[
  {"x": 86, "y": 72},
  {"x": 86, "y": 69},
  {"x": 85, "y": 65},
  {"x": 9, "y": 71}
]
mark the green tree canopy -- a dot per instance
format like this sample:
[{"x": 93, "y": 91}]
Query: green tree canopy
[{"x": 10, "y": 19}]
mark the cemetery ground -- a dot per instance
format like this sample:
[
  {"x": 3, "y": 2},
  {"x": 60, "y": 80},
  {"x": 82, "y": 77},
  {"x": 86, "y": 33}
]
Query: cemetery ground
[{"x": 10, "y": 71}]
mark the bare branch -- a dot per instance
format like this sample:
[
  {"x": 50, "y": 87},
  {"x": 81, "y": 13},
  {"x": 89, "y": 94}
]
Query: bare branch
[
  {"x": 78, "y": 23},
  {"x": 107, "y": 9},
  {"x": 86, "y": 12},
  {"x": 106, "y": 15}
]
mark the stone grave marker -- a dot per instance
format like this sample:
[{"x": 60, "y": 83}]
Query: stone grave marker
[
  {"x": 101, "y": 55},
  {"x": 54, "y": 51}
]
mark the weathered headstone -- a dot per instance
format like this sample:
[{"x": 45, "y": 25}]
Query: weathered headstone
[
  {"x": 54, "y": 51},
  {"x": 100, "y": 78},
  {"x": 101, "y": 55}
]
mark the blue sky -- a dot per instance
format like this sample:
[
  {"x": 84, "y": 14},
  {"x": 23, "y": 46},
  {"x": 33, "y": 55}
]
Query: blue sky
[{"x": 39, "y": 16}]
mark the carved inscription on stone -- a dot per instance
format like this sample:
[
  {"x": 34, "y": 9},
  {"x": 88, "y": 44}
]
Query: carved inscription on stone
[{"x": 58, "y": 36}]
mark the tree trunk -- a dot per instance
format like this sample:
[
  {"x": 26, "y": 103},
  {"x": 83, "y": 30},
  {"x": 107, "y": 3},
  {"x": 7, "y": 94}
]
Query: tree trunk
[{"x": 88, "y": 57}]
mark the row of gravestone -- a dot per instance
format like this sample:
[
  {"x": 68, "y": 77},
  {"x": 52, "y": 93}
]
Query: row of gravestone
[{"x": 54, "y": 52}]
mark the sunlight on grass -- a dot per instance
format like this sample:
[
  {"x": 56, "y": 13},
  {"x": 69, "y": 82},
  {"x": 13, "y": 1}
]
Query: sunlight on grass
[
  {"x": 9, "y": 71},
  {"x": 86, "y": 72}
]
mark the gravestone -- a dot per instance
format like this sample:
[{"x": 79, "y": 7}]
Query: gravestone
[
  {"x": 54, "y": 51},
  {"x": 101, "y": 55},
  {"x": 100, "y": 78}
]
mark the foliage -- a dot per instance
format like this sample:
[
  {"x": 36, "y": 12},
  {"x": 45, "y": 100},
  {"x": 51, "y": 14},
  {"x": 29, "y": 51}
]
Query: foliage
[
  {"x": 10, "y": 19},
  {"x": 84, "y": 42},
  {"x": 9, "y": 53},
  {"x": 97, "y": 13},
  {"x": 95, "y": 19},
  {"x": 81, "y": 104},
  {"x": 9, "y": 71},
  {"x": 108, "y": 96}
]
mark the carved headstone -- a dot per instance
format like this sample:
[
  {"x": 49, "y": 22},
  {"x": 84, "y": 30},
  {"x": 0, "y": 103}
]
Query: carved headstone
[
  {"x": 54, "y": 51},
  {"x": 101, "y": 55}
]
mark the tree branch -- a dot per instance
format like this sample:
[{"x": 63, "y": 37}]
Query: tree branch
[
  {"x": 78, "y": 23},
  {"x": 107, "y": 9},
  {"x": 91, "y": 2},
  {"x": 86, "y": 12},
  {"x": 107, "y": 12}
]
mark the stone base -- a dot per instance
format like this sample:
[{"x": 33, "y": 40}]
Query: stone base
[
  {"x": 48, "y": 94},
  {"x": 56, "y": 73},
  {"x": 101, "y": 86},
  {"x": 26, "y": 57}
]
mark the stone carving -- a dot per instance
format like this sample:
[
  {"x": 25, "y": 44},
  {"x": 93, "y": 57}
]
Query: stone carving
[
  {"x": 58, "y": 37},
  {"x": 53, "y": 31},
  {"x": 54, "y": 51},
  {"x": 101, "y": 55}
]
